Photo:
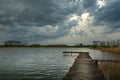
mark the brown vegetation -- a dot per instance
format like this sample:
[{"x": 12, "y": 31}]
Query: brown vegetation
[
  {"x": 111, "y": 70},
  {"x": 110, "y": 49}
]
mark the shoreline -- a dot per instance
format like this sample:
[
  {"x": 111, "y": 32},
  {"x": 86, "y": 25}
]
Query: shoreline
[
  {"x": 111, "y": 69},
  {"x": 114, "y": 50}
]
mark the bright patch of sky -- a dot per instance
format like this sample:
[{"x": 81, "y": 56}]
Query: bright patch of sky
[{"x": 101, "y": 3}]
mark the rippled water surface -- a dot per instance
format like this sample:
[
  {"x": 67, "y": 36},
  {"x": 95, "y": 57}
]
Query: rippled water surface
[{"x": 40, "y": 63}]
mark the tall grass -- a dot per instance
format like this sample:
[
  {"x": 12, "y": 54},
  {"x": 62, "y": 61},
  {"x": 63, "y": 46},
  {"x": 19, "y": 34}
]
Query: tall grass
[
  {"x": 110, "y": 49},
  {"x": 111, "y": 70}
]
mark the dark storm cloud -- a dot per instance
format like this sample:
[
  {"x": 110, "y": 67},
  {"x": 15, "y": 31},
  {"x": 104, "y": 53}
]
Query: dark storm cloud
[
  {"x": 37, "y": 12},
  {"x": 90, "y": 6},
  {"x": 19, "y": 17},
  {"x": 6, "y": 21},
  {"x": 89, "y": 3},
  {"x": 109, "y": 15}
]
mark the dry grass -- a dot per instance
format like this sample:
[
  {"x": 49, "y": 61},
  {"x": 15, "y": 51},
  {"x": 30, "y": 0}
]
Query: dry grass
[
  {"x": 112, "y": 69},
  {"x": 110, "y": 49}
]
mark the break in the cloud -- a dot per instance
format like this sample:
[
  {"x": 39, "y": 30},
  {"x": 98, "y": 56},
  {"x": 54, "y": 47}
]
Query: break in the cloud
[
  {"x": 60, "y": 21},
  {"x": 109, "y": 15}
]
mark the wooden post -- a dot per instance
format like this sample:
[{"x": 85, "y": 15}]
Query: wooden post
[{"x": 107, "y": 71}]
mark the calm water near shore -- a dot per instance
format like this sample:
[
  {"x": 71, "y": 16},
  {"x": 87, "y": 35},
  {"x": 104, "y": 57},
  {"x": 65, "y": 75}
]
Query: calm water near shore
[{"x": 40, "y": 63}]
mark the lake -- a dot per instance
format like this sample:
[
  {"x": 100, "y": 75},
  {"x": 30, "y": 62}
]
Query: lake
[{"x": 40, "y": 63}]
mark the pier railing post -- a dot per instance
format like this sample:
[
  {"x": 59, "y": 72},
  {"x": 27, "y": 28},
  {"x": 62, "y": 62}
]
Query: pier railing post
[{"x": 106, "y": 71}]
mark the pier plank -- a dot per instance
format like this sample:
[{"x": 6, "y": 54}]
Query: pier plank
[{"x": 84, "y": 69}]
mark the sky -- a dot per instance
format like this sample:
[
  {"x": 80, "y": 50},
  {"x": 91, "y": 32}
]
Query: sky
[{"x": 59, "y": 21}]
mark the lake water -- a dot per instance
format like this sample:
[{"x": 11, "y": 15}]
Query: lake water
[{"x": 40, "y": 63}]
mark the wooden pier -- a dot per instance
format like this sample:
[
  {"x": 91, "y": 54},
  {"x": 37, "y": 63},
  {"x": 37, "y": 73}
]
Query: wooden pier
[
  {"x": 74, "y": 52},
  {"x": 67, "y": 53},
  {"x": 84, "y": 68}
]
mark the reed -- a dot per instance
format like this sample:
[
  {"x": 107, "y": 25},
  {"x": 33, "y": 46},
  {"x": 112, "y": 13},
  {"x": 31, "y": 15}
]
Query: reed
[
  {"x": 110, "y": 49},
  {"x": 111, "y": 70}
]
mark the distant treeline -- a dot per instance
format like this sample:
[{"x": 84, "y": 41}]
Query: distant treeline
[
  {"x": 56, "y": 45},
  {"x": 14, "y": 43},
  {"x": 113, "y": 43}
]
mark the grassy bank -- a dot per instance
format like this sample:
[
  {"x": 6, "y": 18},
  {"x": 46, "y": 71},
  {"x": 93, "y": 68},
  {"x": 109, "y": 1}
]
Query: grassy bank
[
  {"x": 115, "y": 50},
  {"x": 112, "y": 69}
]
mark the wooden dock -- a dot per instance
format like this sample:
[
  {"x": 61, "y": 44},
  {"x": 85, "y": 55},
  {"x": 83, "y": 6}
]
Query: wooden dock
[
  {"x": 67, "y": 53},
  {"x": 84, "y": 68},
  {"x": 74, "y": 52}
]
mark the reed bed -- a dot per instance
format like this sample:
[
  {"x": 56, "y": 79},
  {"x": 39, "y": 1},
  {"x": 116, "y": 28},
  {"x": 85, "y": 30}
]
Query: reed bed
[
  {"x": 110, "y": 49},
  {"x": 111, "y": 70}
]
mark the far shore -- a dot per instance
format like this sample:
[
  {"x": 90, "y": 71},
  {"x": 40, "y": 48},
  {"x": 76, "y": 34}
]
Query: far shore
[
  {"x": 115, "y": 50},
  {"x": 41, "y": 47}
]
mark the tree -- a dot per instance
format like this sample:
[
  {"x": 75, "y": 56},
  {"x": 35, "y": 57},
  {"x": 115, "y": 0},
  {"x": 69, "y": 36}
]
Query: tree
[
  {"x": 14, "y": 43},
  {"x": 78, "y": 45}
]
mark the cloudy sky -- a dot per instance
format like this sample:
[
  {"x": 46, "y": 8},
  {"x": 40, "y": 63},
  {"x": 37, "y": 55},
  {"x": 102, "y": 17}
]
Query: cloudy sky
[{"x": 59, "y": 21}]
